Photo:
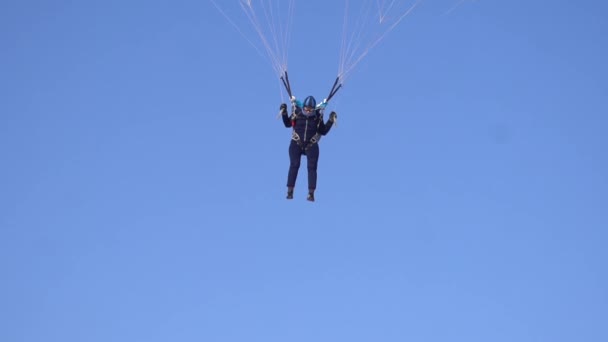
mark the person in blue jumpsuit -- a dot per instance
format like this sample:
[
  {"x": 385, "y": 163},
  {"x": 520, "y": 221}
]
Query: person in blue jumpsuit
[{"x": 308, "y": 127}]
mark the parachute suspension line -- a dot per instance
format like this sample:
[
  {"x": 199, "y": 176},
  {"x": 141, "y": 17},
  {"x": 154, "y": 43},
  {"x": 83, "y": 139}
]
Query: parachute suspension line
[
  {"x": 351, "y": 55},
  {"x": 271, "y": 25},
  {"x": 287, "y": 36},
  {"x": 276, "y": 32},
  {"x": 236, "y": 27},
  {"x": 271, "y": 21},
  {"x": 281, "y": 31},
  {"x": 405, "y": 14},
  {"x": 383, "y": 10},
  {"x": 454, "y": 7},
  {"x": 343, "y": 43},
  {"x": 356, "y": 37},
  {"x": 363, "y": 27},
  {"x": 383, "y": 17},
  {"x": 284, "y": 30},
  {"x": 250, "y": 12},
  {"x": 358, "y": 32}
]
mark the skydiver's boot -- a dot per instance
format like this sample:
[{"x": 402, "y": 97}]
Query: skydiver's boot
[
  {"x": 311, "y": 195},
  {"x": 289, "y": 193}
]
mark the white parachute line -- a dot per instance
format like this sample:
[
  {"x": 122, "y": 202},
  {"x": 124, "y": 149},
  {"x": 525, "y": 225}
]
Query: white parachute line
[
  {"x": 271, "y": 24},
  {"x": 255, "y": 22},
  {"x": 357, "y": 33},
  {"x": 453, "y": 8},
  {"x": 353, "y": 49},
  {"x": 383, "y": 9},
  {"x": 275, "y": 53},
  {"x": 252, "y": 15},
  {"x": 284, "y": 32},
  {"x": 348, "y": 39},
  {"x": 281, "y": 33},
  {"x": 354, "y": 32},
  {"x": 287, "y": 37},
  {"x": 373, "y": 44},
  {"x": 380, "y": 7},
  {"x": 341, "y": 60},
  {"x": 360, "y": 38},
  {"x": 275, "y": 56},
  {"x": 237, "y": 28},
  {"x": 387, "y": 9},
  {"x": 285, "y": 29}
]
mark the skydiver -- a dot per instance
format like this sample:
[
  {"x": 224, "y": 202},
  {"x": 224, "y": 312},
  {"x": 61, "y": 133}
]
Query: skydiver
[{"x": 307, "y": 122}]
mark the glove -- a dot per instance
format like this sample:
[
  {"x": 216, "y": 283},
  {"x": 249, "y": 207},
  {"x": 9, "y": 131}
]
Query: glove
[
  {"x": 333, "y": 116},
  {"x": 283, "y": 107}
]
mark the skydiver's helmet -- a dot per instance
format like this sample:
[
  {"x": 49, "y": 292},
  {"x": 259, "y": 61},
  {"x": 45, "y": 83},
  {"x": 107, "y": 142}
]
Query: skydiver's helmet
[{"x": 309, "y": 105}]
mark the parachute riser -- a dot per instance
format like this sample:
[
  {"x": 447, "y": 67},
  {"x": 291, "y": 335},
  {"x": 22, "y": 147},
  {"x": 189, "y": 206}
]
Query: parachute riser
[
  {"x": 334, "y": 89},
  {"x": 285, "y": 80}
]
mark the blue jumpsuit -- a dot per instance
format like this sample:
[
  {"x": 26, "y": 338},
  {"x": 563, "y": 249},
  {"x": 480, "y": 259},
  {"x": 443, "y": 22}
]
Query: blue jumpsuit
[{"x": 307, "y": 131}]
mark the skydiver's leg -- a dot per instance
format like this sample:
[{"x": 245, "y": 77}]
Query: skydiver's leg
[
  {"x": 295, "y": 154},
  {"x": 312, "y": 156}
]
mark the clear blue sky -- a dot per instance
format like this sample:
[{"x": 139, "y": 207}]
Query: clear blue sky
[{"x": 463, "y": 196}]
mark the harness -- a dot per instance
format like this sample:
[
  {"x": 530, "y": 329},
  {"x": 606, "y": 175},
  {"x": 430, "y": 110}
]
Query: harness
[{"x": 295, "y": 137}]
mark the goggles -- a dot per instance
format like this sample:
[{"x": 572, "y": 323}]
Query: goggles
[{"x": 308, "y": 110}]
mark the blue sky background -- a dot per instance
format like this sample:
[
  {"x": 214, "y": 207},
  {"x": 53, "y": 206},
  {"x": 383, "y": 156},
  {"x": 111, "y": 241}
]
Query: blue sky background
[{"x": 463, "y": 196}]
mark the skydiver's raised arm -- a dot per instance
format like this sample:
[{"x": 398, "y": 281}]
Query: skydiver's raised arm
[
  {"x": 285, "y": 116},
  {"x": 325, "y": 127}
]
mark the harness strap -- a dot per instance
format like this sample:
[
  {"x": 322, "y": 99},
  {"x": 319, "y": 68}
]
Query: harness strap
[
  {"x": 315, "y": 139},
  {"x": 295, "y": 137}
]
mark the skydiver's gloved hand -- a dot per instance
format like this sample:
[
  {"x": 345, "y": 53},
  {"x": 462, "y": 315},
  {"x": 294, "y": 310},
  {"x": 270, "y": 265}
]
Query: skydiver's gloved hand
[
  {"x": 283, "y": 108},
  {"x": 333, "y": 117}
]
